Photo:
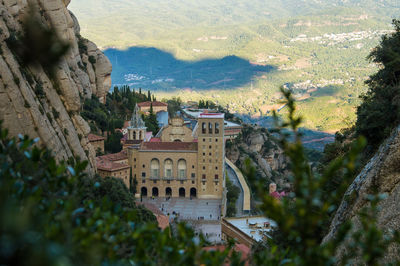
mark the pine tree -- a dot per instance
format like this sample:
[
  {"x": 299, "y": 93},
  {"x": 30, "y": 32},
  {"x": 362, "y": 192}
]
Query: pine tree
[{"x": 148, "y": 95}]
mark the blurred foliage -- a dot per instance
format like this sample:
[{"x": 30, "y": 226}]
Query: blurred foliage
[
  {"x": 53, "y": 214},
  {"x": 301, "y": 216}
]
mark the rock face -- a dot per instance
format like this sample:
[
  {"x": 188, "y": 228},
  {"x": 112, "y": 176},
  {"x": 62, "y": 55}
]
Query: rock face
[
  {"x": 383, "y": 174},
  {"x": 29, "y": 101},
  {"x": 265, "y": 154}
]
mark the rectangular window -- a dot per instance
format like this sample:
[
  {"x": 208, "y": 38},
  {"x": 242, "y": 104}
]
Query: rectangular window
[
  {"x": 168, "y": 173},
  {"x": 155, "y": 173},
  {"x": 182, "y": 173},
  {"x": 203, "y": 176},
  {"x": 216, "y": 177},
  {"x": 143, "y": 181},
  {"x": 216, "y": 128},
  {"x": 193, "y": 175},
  {"x": 143, "y": 174}
]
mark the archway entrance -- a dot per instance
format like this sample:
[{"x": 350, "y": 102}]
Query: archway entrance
[
  {"x": 154, "y": 192},
  {"x": 168, "y": 192},
  {"x": 181, "y": 192},
  {"x": 143, "y": 192},
  {"x": 193, "y": 193}
]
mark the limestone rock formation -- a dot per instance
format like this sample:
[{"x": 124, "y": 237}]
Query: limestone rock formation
[
  {"x": 382, "y": 173},
  {"x": 268, "y": 157},
  {"x": 30, "y": 103}
]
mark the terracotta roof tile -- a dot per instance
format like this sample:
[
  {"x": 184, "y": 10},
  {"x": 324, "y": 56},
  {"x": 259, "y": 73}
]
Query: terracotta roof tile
[
  {"x": 156, "y": 103},
  {"x": 110, "y": 166},
  {"x": 93, "y": 137},
  {"x": 169, "y": 146},
  {"x": 132, "y": 142},
  {"x": 122, "y": 155}
]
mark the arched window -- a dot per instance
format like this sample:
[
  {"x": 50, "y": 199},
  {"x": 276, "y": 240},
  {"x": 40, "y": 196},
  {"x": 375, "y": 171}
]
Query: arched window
[
  {"x": 182, "y": 169},
  {"x": 140, "y": 135},
  {"x": 181, "y": 192},
  {"x": 209, "y": 128},
  {"x": 203, "y": 128},
  {"x": 216, "y": 128},
  {"x": 168, "y": 168},
  {"x": 168, "y": 192},
  {"x": 155, "y": 168}
]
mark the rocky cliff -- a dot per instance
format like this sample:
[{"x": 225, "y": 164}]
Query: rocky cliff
[
  {"x": 266, "y": 155},
  {"x": 32, "y": 102},
  {"x": 381, "y": 174}
]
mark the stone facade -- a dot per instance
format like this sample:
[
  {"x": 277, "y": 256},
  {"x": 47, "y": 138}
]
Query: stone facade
[
  {"x": 192, "y": 168},
  {"x": 97, "y": 142},
  {"x": 117, "y": 170},
  {"x": 176, "y": 131}
]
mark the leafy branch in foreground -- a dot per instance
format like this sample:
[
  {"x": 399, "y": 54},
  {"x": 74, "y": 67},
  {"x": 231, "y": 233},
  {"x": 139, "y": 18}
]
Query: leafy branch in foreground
[
  {"x": 301, "y": 216},
  {"x": 53, "y": 214}
]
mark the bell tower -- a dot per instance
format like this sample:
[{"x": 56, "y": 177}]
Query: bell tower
[
  {"x": 211, "y": 155},
  {"x": 137, "y": 128}
]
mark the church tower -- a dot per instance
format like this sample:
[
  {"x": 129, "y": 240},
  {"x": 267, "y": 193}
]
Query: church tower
[
  {"x": 137, "y": 128},
  {"x": 211, "y": 155}
]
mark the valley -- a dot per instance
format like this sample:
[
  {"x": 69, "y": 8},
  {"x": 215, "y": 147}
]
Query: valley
[{"x": 238, "y": 54}]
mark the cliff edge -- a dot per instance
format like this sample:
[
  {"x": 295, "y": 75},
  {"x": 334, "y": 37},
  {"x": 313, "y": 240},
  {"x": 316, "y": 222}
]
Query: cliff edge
[
  {"x": 30, "y": 102},
  {"x": 382, "y": 173}
]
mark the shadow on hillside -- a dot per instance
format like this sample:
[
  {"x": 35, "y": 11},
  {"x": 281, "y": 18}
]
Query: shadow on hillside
[{"x": 151, "y": 68}]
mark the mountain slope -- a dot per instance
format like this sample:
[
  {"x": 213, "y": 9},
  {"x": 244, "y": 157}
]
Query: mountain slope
[{"x": 38, "y": 104}]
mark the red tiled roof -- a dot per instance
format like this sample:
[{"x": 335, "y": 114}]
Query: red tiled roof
[
  {"x": 110, "y": 166},
  {"x": 169, "y": 146},
  {"x": 93, "y": 137},
  {"x": 122, "y": 155},
  {"x": 132, "y": 141},
  {"x": 155, "y": 140},
  {"x": 156, "y": 103}
]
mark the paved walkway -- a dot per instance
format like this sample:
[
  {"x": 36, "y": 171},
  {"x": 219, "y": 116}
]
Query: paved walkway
[
  {"x": 202, "y": 214},
  {"x": 243, "y": 184},
  {"x": 188, "y": 209}
]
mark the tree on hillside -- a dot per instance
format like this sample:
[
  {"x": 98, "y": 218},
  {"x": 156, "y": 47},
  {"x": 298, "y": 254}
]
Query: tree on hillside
[
  {"x": 380, "y": 109},
  {"x": 151, "y": 121},
  {"x": 149, "y": 95}
]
